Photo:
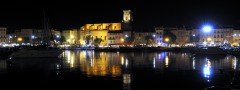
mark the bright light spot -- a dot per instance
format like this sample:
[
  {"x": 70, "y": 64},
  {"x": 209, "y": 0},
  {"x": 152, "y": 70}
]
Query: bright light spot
[
  {"x": 126, "y": 35},
  {"x": 166, "y": 61},
  {"x": 166, "y": 39},
  {"x": 20, "y": 39},
  {"x": 207, "y": 69},
  {"x": 58, "y": 36},
  {"x": 71, "y": 36},
  {"x": 154, "y": 35},
  {"x": 32, "y": 36},
  {"x": 194, "y": 35},
  {"x": 209, "y": 39},
  {"x": 122, "y": 39},
  {"x": 126, "y": 63},
  {"x": 154, "y": 62},
  {"x": 207, "y": 29},
  {"x": 122, "y": 60}
]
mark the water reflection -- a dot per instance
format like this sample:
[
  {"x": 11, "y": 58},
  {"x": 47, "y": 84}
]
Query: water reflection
[
  {"x": 115, "y": 65},
  {"x": 96, "y": 64},
  {"x": 207, "y": 69}
]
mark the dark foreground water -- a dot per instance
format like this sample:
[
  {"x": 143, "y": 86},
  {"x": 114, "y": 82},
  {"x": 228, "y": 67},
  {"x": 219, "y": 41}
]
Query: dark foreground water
[{"x": 86, "y": 70}]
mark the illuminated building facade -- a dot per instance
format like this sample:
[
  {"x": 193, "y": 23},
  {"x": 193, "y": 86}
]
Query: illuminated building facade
[
  {"x": 236, "y": 37},
  {"x": 71, "y": 36},
  {"x": 115, "y": 37},
  {"x": 159, "y": 35},
  {"x": 110, "y": 33},
  {"x": 217, "y": 36},
  {"x": 3, "y": 35},
  {"x": 183, "y": 36}
]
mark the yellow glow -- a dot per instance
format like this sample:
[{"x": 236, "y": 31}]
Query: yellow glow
[
  {"x": 166, "y": 61},
  {"x": 71, "y": 36},
  {"x": 68, "y": 40},
  {"x": 20, "y": 39},
  {"x": 122, "y": 39},
  {"x": 166, "y": 39},
  {"x": 122, "y": 60},
  {"x": 209, "y": 39},
  {"x": 126, "y": 78}
]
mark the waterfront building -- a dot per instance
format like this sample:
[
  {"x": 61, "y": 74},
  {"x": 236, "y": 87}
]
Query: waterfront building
[
  {"x": 3, "y": 35},
  {"x": 159, "y": 36},
  {"x": 71, "y": 36},
  {"x": 236, "y": 37},
  {"x": 109, "y": 33},
  {"x": 182, "y": 36}
]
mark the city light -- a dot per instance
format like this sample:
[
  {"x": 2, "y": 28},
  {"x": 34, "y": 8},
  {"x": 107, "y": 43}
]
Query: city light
[
  {"x": 122, "y": 39},
  {"x": 154, "y": 35},
  {"x": 166, "y": 39},
  {"x": 207, "y": 29},
  {"x": 32, "y": 36},
  {"x": 71, "y": 36},
  {"x": 58, "y": 36},
  {"x": 209, "y": 39},
  {"x": 19, "y": 39}
]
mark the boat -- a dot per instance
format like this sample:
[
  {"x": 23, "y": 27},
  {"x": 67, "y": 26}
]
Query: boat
[
  {"x": 45, "y": 50},
  {"x": 37, "y": 52},
  {"x": 209, "y": 51}
]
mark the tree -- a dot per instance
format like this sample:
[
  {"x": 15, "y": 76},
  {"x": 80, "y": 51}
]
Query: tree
[
  {"x": 129, "y": 40},
  {"x": 88, "y": 39},
  {"x": 63, "y": 39},
  {"x": 97, "y": 41},
  {"x": 194, "y": 38},
  {"x": 149, "y": 40},
  {"x": 170, "y": 36}
]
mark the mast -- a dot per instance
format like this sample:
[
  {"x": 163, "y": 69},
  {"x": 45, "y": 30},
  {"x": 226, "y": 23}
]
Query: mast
[{"x": 48, "y": 35}]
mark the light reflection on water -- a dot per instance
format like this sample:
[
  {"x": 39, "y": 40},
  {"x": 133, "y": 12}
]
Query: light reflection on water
[
  {"x": 115, "y": 64},
  {"x": 111, "y": 63}
]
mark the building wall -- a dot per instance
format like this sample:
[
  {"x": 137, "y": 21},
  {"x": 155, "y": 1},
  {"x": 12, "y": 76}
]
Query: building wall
[
  {"x": 3, "y": 35},
  {"x": 182, "y": 36},
  {"x": 100, "y": 34},
  {"x": 115, "y": 38},
  {"x": 159, "y": 35},
  {"x": 217, "y": 36},
  {"x": 236, "y": 38},
  {"x": 71, "y": 36},
  {"x": 140, "y": 37},
  {"x": 102, "y": 26}
]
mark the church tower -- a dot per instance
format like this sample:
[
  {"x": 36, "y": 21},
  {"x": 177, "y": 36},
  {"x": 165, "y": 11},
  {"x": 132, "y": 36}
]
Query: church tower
[
  {"x": 127, "y": 16},
  {"x": 127, "y": 20}
]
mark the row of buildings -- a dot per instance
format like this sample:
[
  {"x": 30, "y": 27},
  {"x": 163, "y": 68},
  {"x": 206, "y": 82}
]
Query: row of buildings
[{"x": 118, "y": 33}]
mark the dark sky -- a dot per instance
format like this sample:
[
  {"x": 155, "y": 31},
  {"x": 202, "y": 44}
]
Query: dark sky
[{"x": 147, "y": 13}]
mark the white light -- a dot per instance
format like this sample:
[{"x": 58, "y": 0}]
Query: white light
[
  {"x": 194, "y": 35},
  {"x": 154, "y": 35},
  {"x": 207, "y": 29},
  {"x": 126, "y": 35},
  {"x": 58, "y": 36},
  {"x": 32, "y": 36}
]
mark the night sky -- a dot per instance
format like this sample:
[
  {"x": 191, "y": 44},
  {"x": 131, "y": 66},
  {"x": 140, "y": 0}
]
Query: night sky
[{"x": 147, "y": 13}]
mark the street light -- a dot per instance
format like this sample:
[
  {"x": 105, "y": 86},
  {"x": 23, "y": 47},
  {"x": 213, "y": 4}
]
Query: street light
[
  {"x": 19, "y": 39},
  {"x": 154, "y": 35},
  {"x": 166, "y": 40},
  {"x": 32, "y": 36},
  {"x": 207, "y": 28}
]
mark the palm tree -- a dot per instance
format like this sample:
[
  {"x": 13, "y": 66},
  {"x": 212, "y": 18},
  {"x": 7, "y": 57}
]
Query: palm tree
[{"x": 97, "y": 41}]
